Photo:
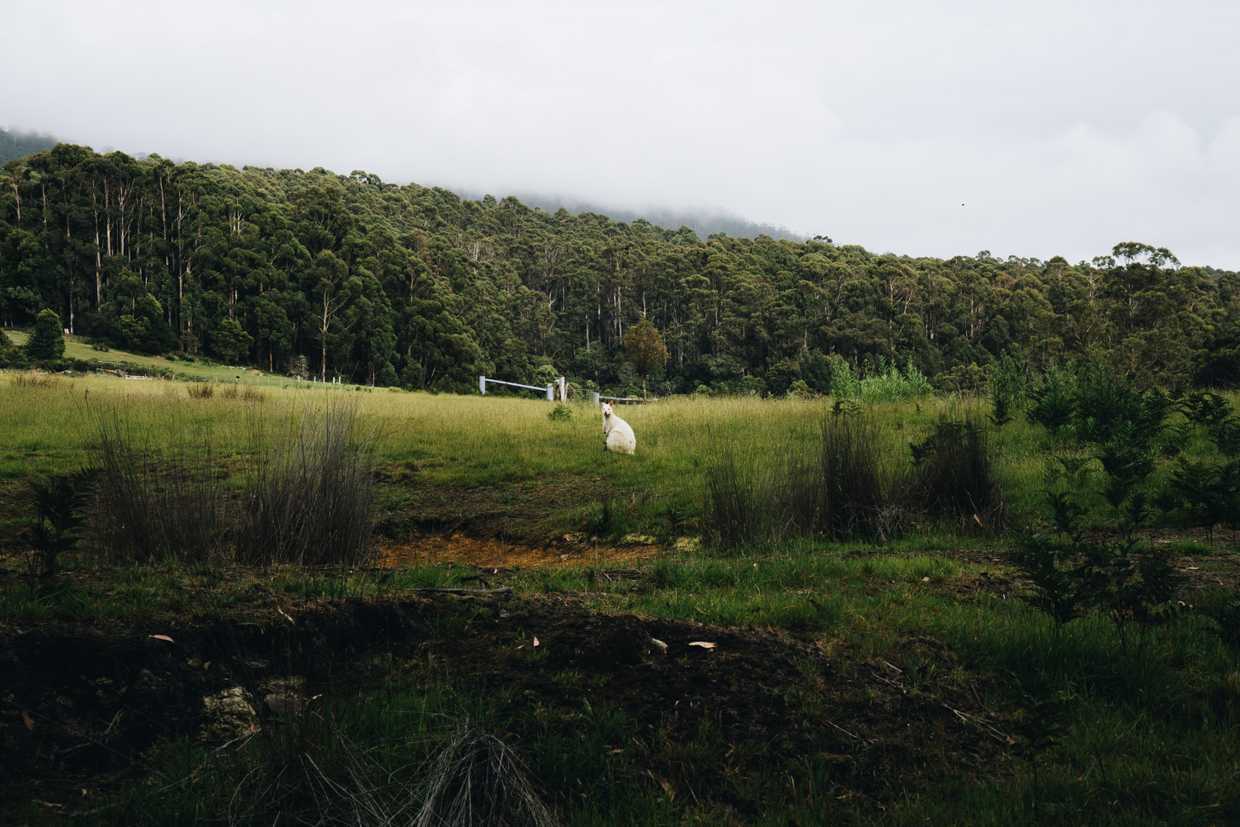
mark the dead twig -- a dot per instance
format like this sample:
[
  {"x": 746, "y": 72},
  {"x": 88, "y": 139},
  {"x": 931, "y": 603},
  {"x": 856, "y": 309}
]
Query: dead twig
[
  {"x": 852, "y": 735},
  {"x": 965, "y": 717},
  {"x": 502, "y": 591}
]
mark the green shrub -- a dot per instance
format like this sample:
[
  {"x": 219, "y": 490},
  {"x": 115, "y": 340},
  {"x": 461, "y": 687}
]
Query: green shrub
[
  {"x": 1052, "y": 400},
  {"x": 844, "y": 383},
  {"x": 971, "y": 379},
  {"x": 1074, "y": 571},
  {"x": 1123, "y": 425},
  {"x": 800, "y": 389},
  {"x": 1214, "y": 414},
  {"x": 1206, "y": 492},
  {"x": 47, "y": 342},
  {"x": 1008, "y": 389},
  {"x": 299, "y": 367},
  {"x": 230, "y": 342},
  {"x": 887, "y": 384},
  {"x": 59, "y": 513},
  {"x": 890, "y": 384},
  {"x": 1109, "y": 407}
]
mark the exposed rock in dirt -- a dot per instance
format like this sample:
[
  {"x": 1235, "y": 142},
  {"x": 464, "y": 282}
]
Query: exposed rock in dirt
[
  {"x": 285, "y": 697},
  {"x": 229, "y": 715}
]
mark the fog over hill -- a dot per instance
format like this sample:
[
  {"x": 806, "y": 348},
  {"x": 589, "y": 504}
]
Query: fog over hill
[
  {"x": 15, "y": 143},
  {"x": 705, "y": 221}
]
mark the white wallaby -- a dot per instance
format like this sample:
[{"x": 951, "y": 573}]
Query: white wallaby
[{"x": 618, "y": 435}]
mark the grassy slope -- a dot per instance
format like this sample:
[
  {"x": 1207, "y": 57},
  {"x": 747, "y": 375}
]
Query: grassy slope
[
  {"x": 77, "y": 347},
  {"x": 1109, "y": 731},
  {"x": 497, "y": 466}
]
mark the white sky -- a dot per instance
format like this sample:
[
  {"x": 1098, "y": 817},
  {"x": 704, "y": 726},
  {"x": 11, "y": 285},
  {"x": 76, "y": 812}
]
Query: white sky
[{"x": 1064, "y": 127}]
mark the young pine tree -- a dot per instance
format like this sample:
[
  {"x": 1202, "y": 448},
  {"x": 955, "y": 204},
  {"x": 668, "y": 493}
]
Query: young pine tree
[
  {"x": 48, "y": 341},
  {"x": 643, "y": 345}
]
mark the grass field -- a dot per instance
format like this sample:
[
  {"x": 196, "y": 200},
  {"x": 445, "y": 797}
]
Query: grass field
[
  {"x": 499, "y": 466},
  {"x": 203, "y": 370},
  {"x": 908, "y": 682}
]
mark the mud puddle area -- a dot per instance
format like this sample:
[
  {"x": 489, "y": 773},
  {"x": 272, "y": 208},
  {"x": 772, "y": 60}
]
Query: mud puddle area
[{"x": 485, "y": 552}]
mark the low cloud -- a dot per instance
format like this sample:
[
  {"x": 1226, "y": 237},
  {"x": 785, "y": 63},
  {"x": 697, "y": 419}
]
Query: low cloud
[{"x": 1061, "y": 129}]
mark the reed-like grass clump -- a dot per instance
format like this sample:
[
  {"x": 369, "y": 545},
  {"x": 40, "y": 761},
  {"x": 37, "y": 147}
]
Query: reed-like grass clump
[
  {"x": 201, "y": 390},
  {"x": 309, "y": 494},
  {"x": 305, "y": 494},
  {"x": 855, "y": 480},
  {"x": 159, "y": 502}
]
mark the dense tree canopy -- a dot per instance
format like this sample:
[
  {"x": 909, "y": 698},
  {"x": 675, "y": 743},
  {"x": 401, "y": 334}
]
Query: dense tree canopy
[{"x": 412, "y": 285}]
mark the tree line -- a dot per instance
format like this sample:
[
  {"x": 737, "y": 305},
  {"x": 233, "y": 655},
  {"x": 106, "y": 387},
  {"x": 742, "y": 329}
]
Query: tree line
[{"x": 349, "y": 276}]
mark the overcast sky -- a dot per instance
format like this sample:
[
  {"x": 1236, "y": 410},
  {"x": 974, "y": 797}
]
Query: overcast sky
[{"x": 1062, "y": 127}]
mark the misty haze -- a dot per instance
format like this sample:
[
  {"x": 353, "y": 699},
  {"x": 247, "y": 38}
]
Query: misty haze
[{"x": 581, "y": 413}]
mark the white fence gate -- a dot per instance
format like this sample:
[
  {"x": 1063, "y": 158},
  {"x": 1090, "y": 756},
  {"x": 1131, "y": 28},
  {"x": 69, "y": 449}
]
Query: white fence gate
[
  {"x": 597, "y": 397},
  {"x": 559, "y": 389}
]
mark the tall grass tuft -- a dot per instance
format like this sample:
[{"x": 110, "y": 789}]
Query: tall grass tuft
[
  {"x": 246, "y": 393},
  {"x": 35, "y": 380},
  {"x": 202, "y": 390},
  {"x": 154, "y": 504},
  {"x": 955, "y": 476},
  {"x": 839, "y": 487},
  {"x": 310, "y": 492},
  {"x": 478, "y": 779},
  {"x": 854, "y": 493},
  {"x": 733, "y": 515}
]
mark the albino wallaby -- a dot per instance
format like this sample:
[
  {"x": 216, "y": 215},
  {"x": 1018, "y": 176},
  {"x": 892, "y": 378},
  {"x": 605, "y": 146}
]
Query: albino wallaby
[{"x": 618, "y": 435}]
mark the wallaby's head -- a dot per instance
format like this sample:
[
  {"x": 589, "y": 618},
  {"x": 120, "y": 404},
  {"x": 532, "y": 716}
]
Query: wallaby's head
[{"x": 606, "y": 409}]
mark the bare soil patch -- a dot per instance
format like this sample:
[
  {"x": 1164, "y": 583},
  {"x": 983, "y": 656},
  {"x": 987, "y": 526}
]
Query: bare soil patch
[
  {"x": 85, "y": 704},
  {"x": 490, "y": 553}
]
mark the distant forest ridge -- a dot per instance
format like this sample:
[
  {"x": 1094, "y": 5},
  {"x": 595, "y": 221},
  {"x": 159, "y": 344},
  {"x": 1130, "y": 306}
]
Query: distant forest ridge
[
  {"x": 347, "y": 275},
  {"x": 703, "y": 221},
  {"x": 16, "y": 143}
]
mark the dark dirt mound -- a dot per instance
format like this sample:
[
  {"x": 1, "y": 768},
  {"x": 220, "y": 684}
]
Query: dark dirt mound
[
  {"x": 766, "y": 693},
  {"x": 83, "y": 705}
]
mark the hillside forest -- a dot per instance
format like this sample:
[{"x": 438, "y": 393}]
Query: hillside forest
[{"x": 348, "y": 276}]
